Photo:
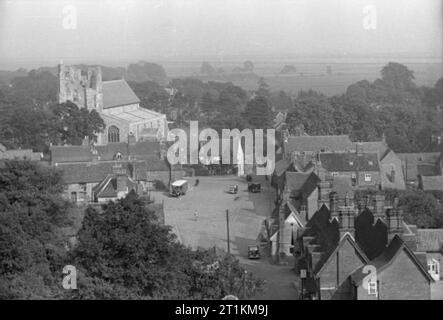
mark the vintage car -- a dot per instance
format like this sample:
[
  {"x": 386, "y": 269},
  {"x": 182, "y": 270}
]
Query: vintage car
[
  {"x": 253, "y": 252},
  {"x": 254, "y": 187},
  {"x": 233, "y": 189}
]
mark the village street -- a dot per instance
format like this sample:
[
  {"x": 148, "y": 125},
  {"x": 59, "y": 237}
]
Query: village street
[{"x": 199, "y": 221}]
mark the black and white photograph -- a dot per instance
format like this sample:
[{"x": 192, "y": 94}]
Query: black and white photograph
[{"x": 198, "y": 151}]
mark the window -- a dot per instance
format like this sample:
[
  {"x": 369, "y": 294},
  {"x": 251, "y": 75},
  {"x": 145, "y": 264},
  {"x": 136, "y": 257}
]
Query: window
[
  {"x": 368, "y": 177},
  {"x": 371, "y": 163},
  {"x": 118, "y": 156},
  {"x": 113, "y": 134},
  {"x": 351, "y": 163},
  {"x": 334, "y": 174}
]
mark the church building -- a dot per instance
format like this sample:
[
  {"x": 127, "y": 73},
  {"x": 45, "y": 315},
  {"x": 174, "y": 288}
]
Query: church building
[{"x": 116, "y": 103}]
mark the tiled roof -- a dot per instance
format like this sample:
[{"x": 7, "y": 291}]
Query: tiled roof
[
  {"x": 139, "y": 150},
  {"x": 432, "y": 183},
  {"x": 156, "y": 164},
  {"x": 379, "y": 147},
  {"x": 386, "y": 258},
  {"x": 281, "y": 166},
  {"x": 430, "y": 240},
  {"x": 94, "y": 172},
  {"x": 424, "y": 164},
  {"x": 61, "y": 154},
  {"x": 342, "y": 185},
  {"x": 302, "y": 182},
  {"x": 340, "y": 162},
  {"x": 117, "y": 93},
  {"x": 319, "y": 143}
]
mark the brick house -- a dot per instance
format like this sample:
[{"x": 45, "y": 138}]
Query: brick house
[
  {"x": 362, "y": 168},
  {"x": 87, "y": 166},
  {"x": 341, "y": 239},
  {"x": 391, "y": 169}
]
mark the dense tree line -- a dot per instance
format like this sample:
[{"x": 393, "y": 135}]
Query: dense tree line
[
  {"x": 393, "y": 106},
  {"x": 421, "y": 208},
  {"x": 112, "y": 263}
]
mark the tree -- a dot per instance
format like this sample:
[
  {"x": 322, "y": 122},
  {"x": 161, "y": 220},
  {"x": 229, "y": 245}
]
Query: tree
[
  {"x": 31, "y": 244},
  {"x": 147, "y": 262},
  {"x": 258, "y": 114},
  {"x": 72, "y": 124},
  {"x": 263, "y": 89}
]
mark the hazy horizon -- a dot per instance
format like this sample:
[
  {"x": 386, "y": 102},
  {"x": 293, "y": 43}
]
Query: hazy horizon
[{"x": 32, "y": 33}]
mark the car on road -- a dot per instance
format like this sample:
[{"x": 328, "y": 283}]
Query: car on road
[
  {"x": 233, "y": 189},
  {"x": 253, "y": 252},
  {"x": 254, "y": 187}
]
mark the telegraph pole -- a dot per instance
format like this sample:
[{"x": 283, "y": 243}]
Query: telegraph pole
[{"x": 227, "y": 230}]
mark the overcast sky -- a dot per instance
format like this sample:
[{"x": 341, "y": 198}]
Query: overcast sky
[{"x": 32, "y": 32}]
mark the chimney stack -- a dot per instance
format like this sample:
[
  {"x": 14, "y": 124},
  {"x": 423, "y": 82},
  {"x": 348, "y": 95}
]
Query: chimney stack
[
  {"x": 379, "y": 207},
  {"x": 333, "y": 206},
  {"x": 346, "y": 221},
  {"x": 394, "y": 221}
]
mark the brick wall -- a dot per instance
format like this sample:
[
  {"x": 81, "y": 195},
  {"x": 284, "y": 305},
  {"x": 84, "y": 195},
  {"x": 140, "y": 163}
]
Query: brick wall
[
  {"x": 402, "y": 280},
  {"x": 336, "y": 272}
]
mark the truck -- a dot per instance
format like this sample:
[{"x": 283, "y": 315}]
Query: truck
[{"x": 179, "y": 188}]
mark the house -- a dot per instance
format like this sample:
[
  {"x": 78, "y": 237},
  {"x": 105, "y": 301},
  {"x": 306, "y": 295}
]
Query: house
[
  {"x": 86, "y": 166},
  {"x": 115, "y": 102},
  {"x": 431, "y": 242},
  {"x": 416, "y": 165},
  {"x": 362, "y": 168},
  {"x": 298, "y": 202},
  {"x": 391, "y": 169},
  {"x": 400, "y": 275},
  {"x": 342, "y": 240}
]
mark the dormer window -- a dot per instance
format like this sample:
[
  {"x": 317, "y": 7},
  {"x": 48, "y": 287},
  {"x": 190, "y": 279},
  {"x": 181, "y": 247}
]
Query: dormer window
[
  {"x": 351, "y": 163},
  {"x": 118, "y": 156},
  {"x": 371, "y": 163}
]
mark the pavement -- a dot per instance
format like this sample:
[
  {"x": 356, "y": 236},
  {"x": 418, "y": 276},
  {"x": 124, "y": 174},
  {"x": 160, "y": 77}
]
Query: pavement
[{"x": 199, "y": 221}]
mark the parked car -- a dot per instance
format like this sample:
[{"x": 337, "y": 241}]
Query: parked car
[
  {"x": 233, "y": 189},
  {"x": 254, "y": 187},
  {"x": 253, "y": 252}
]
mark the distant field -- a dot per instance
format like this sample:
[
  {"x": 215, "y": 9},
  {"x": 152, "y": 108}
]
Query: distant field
[{"x": 308, "y": 75}]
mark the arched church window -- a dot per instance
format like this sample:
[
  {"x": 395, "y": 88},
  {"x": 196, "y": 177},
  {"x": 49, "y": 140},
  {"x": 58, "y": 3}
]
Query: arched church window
[{"x": 113, "y": 134}]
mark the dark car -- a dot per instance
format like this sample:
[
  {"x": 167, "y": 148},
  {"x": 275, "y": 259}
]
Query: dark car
[
  {"x": 253, "y": 252},
  {"x": 254, "y": 187}
]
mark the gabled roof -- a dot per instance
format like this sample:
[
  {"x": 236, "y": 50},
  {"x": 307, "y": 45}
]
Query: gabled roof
[
  {"x": 302, "y": 182},
  {"x": 118, "y": 93},
  {"x": 281, "y": 166},
  {"x": 319, "y": 143},
  {"x": 386, "y": 259},
  {"x": 379, "y": 147},
  {"x": 430, "y": 240},
  {"x": 328, "y": 256},
  {"x": 340, "y": 162},
  {"x": 94, "y": 172},
  {"x": 61, "y": 154}
]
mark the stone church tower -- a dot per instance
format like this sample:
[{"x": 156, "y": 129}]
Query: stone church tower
[
  {"x": 114, "y": 100},
  {"x": 84, "y": 88}
]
